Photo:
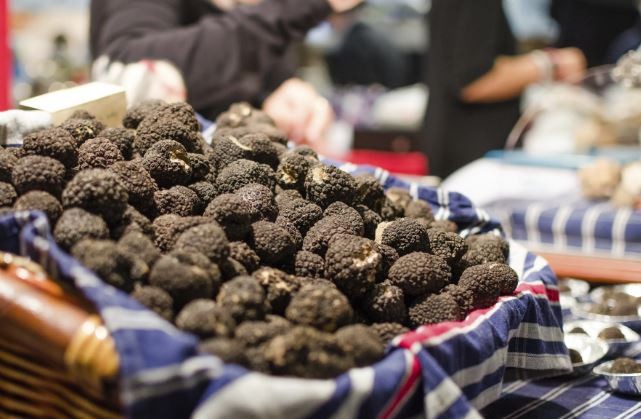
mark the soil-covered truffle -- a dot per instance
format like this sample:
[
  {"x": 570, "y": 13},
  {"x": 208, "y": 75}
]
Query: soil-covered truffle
[
  {"x": 208, "y": 239},
  {"x": 76, "y": 224},
  {"x": 271, "y": 242},
  {"x": 245, "y": 255},
  {"x": 38, "y": 173},
  {"x": 361, "y": 343},
  {"x": 52, "y": 142},
  {"x": 279, "y": 287},
  {"x": 434, "y": 308},
  {"x": 98, "y": 191},
  {"x": 168, "y": 163},
  {"x": 40, "y": 201},
  {"x": 406, "y": 235},
  {"x": 205, "y": 319},
  {"x": 385, "y": 303},
  {"x": 292, "y": 170},
  {"x": 326, "y": 184},
  {"x": 369, "y": 192},
  {"x": 352, "y": 263},
  {"x": 322, "y": 307},
  {"x": 388, "y": 331},
  {"x": 156, "y": 299},
  {"x": 179, "y": 200},
  {"x": 419, "y": 273},
  {"x": 98, "y": 153},
  {"x": 254, "y": 333},
  {"x": 105, "y": 259},
  {"x": 243, "y": 298}
]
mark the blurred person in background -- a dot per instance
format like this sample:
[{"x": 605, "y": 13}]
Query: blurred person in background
[
  {"x": 213, "y": 53},
  {"x": 475, "y": 80}
]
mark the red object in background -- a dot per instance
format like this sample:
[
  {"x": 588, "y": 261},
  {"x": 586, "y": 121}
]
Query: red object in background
[
  {"x": 5, "y": 57},
  {"x": 413, "y": 163}
]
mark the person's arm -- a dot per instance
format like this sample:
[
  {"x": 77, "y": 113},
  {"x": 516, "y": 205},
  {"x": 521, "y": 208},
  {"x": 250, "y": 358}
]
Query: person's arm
[{"x": 217, "y": 52}]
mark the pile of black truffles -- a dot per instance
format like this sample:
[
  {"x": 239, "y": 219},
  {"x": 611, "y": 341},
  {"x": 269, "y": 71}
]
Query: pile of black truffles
[{"x": 276, "y": 261}]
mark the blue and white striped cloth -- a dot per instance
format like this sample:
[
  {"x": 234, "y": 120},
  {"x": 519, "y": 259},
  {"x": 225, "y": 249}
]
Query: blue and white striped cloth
[
  {"x": 445, "y": 370},
  {"x": 585, "y": 227}
]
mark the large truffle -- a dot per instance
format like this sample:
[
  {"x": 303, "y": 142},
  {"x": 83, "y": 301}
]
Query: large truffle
[
  {"x": 348, "y": 214},
  {"x": 322, "y": 307},
  {"x": 352, "y": 263},
  {"x": 138, "y": 182},
  {"x": 434, "y": 308},
  {"x": 385, "y": 303},
  {"x": 205, "y": 319},
  {"x": 361, "y": 343},
  {"x": 76, "y": 224},
  {"x": 406, "y": 235},
  {"x": 326, "y": 184},
  {"x": 208, "y": 239},
  {"x": 168, "y": 163},
  {"x": 388, "y": 331},
  {"x": 52, "y": 142},
  {"x": 449, "y": 246},
  {"x": 242, "y": 173},
  {"x": 301, "y": 213},
  {"x": 105, "y": 259},
  {"x": 272, "y": 243},
  {"x": 179, "y": 200},
  {"x": 245, "y": 255},
  {"x": 419, "y": 273},
  {"x": 155, "y": 299},
  {"x": 151, "y": 131},
  {"x": 168, "y": 227},
  {"x": 98, "y": 153},
  {"x": 38, "y": 173},
  {"x": 260, "y": 200},
  {"x": 135, "y": 114},
  {"x": 82, "y": 129},
  {"x": 98, "y": 191},
  {"x": 233, "y": 213},
  {"x": 485, "y": 282},
  {"x": 40, "y": 201},
  {"x": 319, "y": 236},
  {"x": 122, "y": 138},
  {"x": 8, "y": 194},
  {"x": 292, "y": 171}
]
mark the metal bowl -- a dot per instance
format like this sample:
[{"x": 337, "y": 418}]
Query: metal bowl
[
  {"x": 576, "y": 288},
  {"x": 591, "y": 350},
  {"x": 598, "y": 295},
  {"x": 593, "y": 328},
  {"x": 629, "y": 384}
]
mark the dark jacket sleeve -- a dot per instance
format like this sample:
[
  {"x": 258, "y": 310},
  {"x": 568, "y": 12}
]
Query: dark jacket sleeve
[{"x": 221, "y": 56}]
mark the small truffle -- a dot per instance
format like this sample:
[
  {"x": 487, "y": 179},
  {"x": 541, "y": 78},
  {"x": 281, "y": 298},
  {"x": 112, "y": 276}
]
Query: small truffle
[
  {"x": 369, "y": 192},
  {"x": 260, "y": 200},
  {"x": 53, "y": 142},
  {"x": 138, "y": 182},
  {"x": 241, "y": 252},
  {"x": 208, "y": 239},
  {"x": 98, "y": 153},
  {"x": 168, "y": 163},
  {"x": 232, "y": 213},
  {"x": 243, "y": 172},
  {"x": 76, "y": 224},
  {"x": 179, "y": 200},
  {"x": 168, "y": 227},
  {"x": 326, "y": 184},
  {"x": 419, "y": 273},
  {"x": 349, "y": 215},
  {"x": 434, "y": 308},
  {"x": 82, "y": 129},
  {"x": 271, "y": 242},
  {"x": 361, "y": 343},
  {"x": 205, "y": 319},
  {"x": 302, "y": 213},
  {"x": 449, "y": 246},
  {"x": 155, "y": 299},
  {"x": 322, "y": 307},
  {"x": 319, "y": 236},
  {"x": 279, "y": 287},
  {"x": 625, "y": 366},
  {"x": 254, "y": 333},
  {"x": 151, "y": 131},
  {"x": 388, "y": 331},
  {"x": 243, "y": 298},
  {"x": 8, "y": 195},
  {"x": 228, "y": 350},
  {"x": 385, "y": 303},
  {"x": 419, "y": 209},
  {"x": 40, "y": 201},
  {"x": 292, "y": 170},
  {"x": 7, "y": 161},
  {"x": 309, "y": 265},
  {"x": 98, "y": 191},
  {"x": 352, "y": 263},
  {"x": 205, "y": 191},
  {"x": 122, "y": 138},
  {"x": 105, "y": 259},
  {"x": 578, "y": 330},
  {"x": 137, "y": 113}
]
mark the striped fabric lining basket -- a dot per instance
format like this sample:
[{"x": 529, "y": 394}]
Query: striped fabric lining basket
[{"x": 444, "y": 370}]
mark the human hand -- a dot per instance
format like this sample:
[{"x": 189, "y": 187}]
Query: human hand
[
  {"x": 343, "y": 5},
  {"x": 300, "y": 111},
  {"x": 570, "y": 64}
]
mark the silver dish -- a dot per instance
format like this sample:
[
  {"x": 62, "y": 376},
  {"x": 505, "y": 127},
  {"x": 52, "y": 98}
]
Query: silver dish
[
  {"x": 591, "y": 350},
  {"x": 577, "y": 288},
  {"x": 593, "y": 328},
  {"x": 598, "y": 294},
  {"x": 582, "y": 311},
  {"x": 629, "y": 384}
]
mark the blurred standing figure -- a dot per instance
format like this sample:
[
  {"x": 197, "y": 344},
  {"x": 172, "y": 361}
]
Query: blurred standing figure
[{"x": 475, "y": 80}]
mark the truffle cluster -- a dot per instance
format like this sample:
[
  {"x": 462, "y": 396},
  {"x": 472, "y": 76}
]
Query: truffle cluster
[{"x": 275, "y": 260}]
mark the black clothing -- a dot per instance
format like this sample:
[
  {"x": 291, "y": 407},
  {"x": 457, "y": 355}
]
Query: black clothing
[
  {"x": 593, "y": 25},
  {"x": 466, "y": 37},
  {"x": 223, "y": 57}
]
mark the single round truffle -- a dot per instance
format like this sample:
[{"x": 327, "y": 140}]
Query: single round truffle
[
  {"x": 348, "y": 214},
  {"x": 319, "y": 236},
  {"x": 303, "y": 214},
  {"x": 208, "y": 239},
  {"x": 7, "y": 161},
  {"x": 205, "y": 191},
  {"x": 138, "y": 182},
  {"x": 279, "y": 287},
  {"x": 168, "y": 163},
  {"x": 155, "y": 299},
  {"x": 52, "y": 142},
  {"x": 326, "y": 184},
  {"x": 82, "y": 129},
  {"x": 369, "y": 192},
  {"x": 292, "y": 171},
  {"x": 205, "y": 319},
  {"x": 38, "y": 173},
  {"x": 309, "y": 265},
  {"x": 168, "y": 227},
  {"x": 243, "y": 298},
  {"x": 232, "y": 213},
  {"x": 434, "y": 308},
  {"x": 485, "y": 283},
  {"x": 406, "y": 235},
  {"x": 352, "y": 263},
  {"x": 361, "y": 343},
  {"x": 179, "y": 200},
  {"x": 322, "y": 307},
  {"x": 419, "y": 273},
  {"x": 243, "y": 172},
  {"x": 245, "y": 255},
  {"x": 8, "y": 194},
  {"x": 151, "y": 131},
  {"x": 76, "y": 224},
  {"x": 449, "y": 246},
  {"x": 105, "y": 259},
  {"x": 388, "y": 331},
  {"x": 98, "y": 153},
  {"x": 40, "y": 201},
  {"x": 230, "y": 351},
  {"x": 137, "y": 113},
  {"x": 260, "y": 200},
  {"x": 122, "y": 138},
  {"x": 271, "y": 242},
  {"x": 385, "y": 303},
  {"x": 98, "y": 191}
]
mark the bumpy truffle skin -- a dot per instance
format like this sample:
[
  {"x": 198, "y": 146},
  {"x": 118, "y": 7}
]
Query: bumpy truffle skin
[
  {"x": 292, "y": 171},
  {"x": 279, "y": 287},
  {"x": 82, "y": 129},
  {"x": 625, "y": 366},
  {"x": 434, "y": 308},
  {"x": 391, "y": 210},
  {"x": 105, "y": 259},
  {"x": 321, "y": 233},
  {"x": 178, "y": 200},
  {"x": 419, "y": 273},
  {"x": 385, "y": 303},
  {"x": 242, "y": 173},
  {"x": 445, "y": 225},
  {"x": 98, "y": 153},
  {"x": 38, "y": 173},
  {"x": 361, "y": 343},
  {"x": 185, "y": 276},
  {"x": 261, "y": 149},
  {"x": 137, "y": 113},
  {"x": 168, "y": 227},
  {"x": 349, "y": 215},
  {"x": 489, "y": 243},
  {"x": 294, "y": 233},
  {"x": 309, "y": 265},
  {"x": 232, "y": 213},
  {"x": 260, "y": 200},
  {"x": 168, "y": 163},
  {"x": 98, "y": 191},
  {"x": 82, "y": 114},
  {"x": 302, "y": 213},
  {"x": 419, "y": 209},
  {"x": 308, "y": 353},
  {"x": 243, "y": 298},
  {"x": 41, "y": 201},
  {"x": 284, "y": 196},
  {"x": 205, "y": 319},
  {"x": 326, "y": 184},
  {"x": 464, "y": 297},
  {"x": 152, "y": 131},
  {"x": 205, "y": 191},
  {"x": 208, "y": 239},
  {"x": 132, "y": 220},
  {"x": 76, "y": 224},
  {"x": 7, "y": 161},
  {"x": 369, "y": 192},
  {"x": 240, "y": 115},
  {"x": 178, "y": 111},
  {"x": 228, "y": 350},
  {"x": 485, "y": 283},
  {"x": 271, "y": 242},
  {"x": 254, "y": 333},
  {"x": 53, "y": 142},
  {"x": 388, "y": 331},
  {"x": 399, "y": 195},
  {"x": 156, "y": 299},
  {"x": 138, "y": 182},
  {"x": 137, "y": 244},
  {"x": 122, "y": 138},
  {"x": 200, "y": 167},
  {"x": 406, "y": 235},
  {"x": 371, "y": 220},
  {"x": 322, "y": 307},
  {"x": 241, "y": 252},
  {"x": 389, "y": 257},
  {"x": 449, "y": 246},
  {"x": 8, "y": 194},
  {"x": 352, "y": 263}
]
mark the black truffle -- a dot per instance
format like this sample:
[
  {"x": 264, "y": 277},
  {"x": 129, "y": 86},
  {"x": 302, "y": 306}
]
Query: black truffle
[
  {"x": 361, "y": 343},
  {"x": 369, "y": 192},
  {"x": 463, "y": 296},
  {"x": 105, "y": 259},
  {"x": 208, "y": 239},
  {"x": 385, "y": 303},
  {"x": 371, "y": 220},
  {"x": 485, "y": 283},
  {"x": 232, "y": 213},
  {"x": 137, "y": 113},
  {"x": 200, "y": 167},
  {"x": 419, "y": 209},
  {"x": 241, "y": 252},
  {"x": 122, "y": 138},
  {"x": 137, "y": 245},
  {"x": 271, "y": 242},
  {"x": 205, "y": 191},
  {"x": 294, "y": 233},
  {"x": 205, "y": 319},
  {"x": 434, "y": 308},
  {"x": 309, "y": 265},
  {"x": 350, "y": 216},
  {"x": 391, "y": 210},
  {"x": 151, "y": 131},
  {"x": 321, "y": 233},
  {"x": 241, "y": 173},
  {"x": 156, "y": 300},
  {"x": 178, "y": 200},
  {"x": 389, "y": 257},
  {"x": 132, "y": 220},
  {"x": 322, "y": 307},
  {"x": 388, "y": 331},
  {"x": 7, "y": 162},
  {"x": 38, "y": 173},
  {"x": 445, "y": 225},
  {"x": 302, "y": 213},
  {"x": 168, "y": 227},
  {"x": 228, "y": 350},
  {"x": 292, "y": 171},
  {"x": 40, "y": 201},
  {"x": 98, "y": 153},
  {"x": 168, "y": 163},
  {"x": 8, "y": 195},
  {"x": 243, "y": 298},
  {"x": 352, "y": 263},
  {"x": 326, "y": 184},
  {"x": 406, "y": 235},
  {"x": 76, "y": 224},
  {"x": 279, "y": 287},
  {"x": 138, "y": 182},
  {"x": 53, "y": 142},
  {"x": 82, "y": 129},
  {"x": 254, "y": 333},
  {"x": 98, "y": 191},
  {"x": 260, "y": 200},
  {"x": 419, "y": 273}
]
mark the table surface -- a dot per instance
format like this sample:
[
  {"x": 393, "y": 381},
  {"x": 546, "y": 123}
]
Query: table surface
[{"x": 564, "y": 397}]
